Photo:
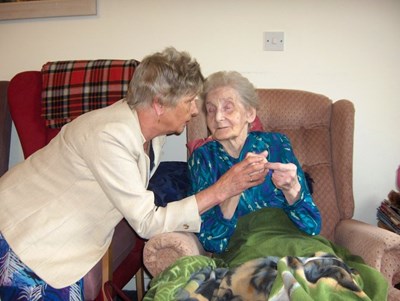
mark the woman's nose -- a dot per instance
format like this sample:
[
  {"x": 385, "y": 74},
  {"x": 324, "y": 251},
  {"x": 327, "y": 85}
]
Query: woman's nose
[
  {"x": 219, "y": 115},
  {"x": 194, "y": 109}
]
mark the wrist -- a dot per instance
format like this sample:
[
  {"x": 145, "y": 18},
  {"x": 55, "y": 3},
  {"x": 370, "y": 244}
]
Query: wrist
[
  {"x": 219, "y": 194},
  {"x": 293, "y": 194},
  {"x": 209, "y": 198}
]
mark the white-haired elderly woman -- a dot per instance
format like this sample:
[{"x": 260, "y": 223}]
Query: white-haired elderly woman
[
  {"x": 231, "y": 105},
  {"x": 60, "y": 206}
]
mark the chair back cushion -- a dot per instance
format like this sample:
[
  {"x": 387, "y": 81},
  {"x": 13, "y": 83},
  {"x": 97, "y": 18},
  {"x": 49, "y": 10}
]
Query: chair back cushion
[
  {"x": 306, "y": 118},
  {"x": 42, "y": 101},
  {"x": 71, "y": 88}
]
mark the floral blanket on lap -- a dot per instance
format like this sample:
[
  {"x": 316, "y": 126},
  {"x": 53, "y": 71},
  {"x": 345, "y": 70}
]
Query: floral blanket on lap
[{"x": 256, "y": 266}]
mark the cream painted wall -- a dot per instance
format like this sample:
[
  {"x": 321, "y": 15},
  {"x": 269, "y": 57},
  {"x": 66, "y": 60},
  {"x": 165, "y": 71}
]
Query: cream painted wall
[{"x": 340, "y": 48}]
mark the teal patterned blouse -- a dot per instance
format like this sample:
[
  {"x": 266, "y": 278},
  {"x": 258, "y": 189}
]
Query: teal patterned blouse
[{"x": 210, "y": 161}]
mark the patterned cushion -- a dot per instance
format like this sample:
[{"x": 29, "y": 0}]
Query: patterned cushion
[{"x": 71, "y": 88}]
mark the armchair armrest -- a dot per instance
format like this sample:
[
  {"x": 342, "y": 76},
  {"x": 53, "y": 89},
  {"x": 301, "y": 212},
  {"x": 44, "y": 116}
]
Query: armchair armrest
[
  {"x": 164, "y": 249},
  {"x": 378, "y": 247}
]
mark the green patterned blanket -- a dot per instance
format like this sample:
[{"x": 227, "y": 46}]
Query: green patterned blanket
[{"x": 268, "y": 258}]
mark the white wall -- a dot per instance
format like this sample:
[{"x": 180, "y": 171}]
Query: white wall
[{"x": 340, "y": 48}]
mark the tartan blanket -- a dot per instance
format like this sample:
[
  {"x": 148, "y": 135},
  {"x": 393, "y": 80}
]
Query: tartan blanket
[
  {"x": 268, "y": 258},
  {"x": 71, "y": 88}
]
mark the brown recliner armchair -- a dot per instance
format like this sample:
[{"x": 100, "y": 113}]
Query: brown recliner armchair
[{"x": 321, "y": 132}]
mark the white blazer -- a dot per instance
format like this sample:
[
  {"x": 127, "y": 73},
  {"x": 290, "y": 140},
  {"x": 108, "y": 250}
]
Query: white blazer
[{"x": 60, "y": 206}]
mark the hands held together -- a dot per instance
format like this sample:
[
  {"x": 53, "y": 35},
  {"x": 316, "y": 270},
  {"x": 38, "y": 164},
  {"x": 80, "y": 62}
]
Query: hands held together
[
  {"x": 284, "y": 175},
  {"x": 249, "y": 173}
]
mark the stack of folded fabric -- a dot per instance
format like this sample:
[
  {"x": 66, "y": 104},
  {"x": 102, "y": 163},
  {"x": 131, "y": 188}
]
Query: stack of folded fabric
[{"x": 389, "y": 212}]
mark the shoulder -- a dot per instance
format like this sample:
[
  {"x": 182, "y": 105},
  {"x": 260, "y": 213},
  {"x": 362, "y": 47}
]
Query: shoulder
[
  {"x": 270, "y": 140},
  {"x": 204, "y": 154},
  {"x": 114, "y": 125},
  {"x": 268, "y": 136},
  {"x": 207, "y": 147},
  {"x": 116, "y": 113}
]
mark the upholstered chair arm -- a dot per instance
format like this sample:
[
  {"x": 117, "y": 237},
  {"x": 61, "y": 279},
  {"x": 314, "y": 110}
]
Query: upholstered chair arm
[
  {"x": 378, "y": 247},
  {"x": 164, "y": 249},
  {"x": 342, "y": 133}
]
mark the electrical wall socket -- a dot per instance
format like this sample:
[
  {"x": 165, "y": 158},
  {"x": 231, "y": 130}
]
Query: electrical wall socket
[{"x": 273, "y": 41}]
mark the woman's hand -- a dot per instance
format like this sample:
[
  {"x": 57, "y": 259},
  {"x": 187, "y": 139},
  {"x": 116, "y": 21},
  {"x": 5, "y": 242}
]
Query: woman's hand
[
  {"x": 229, "y": 206},
  {"x": 284, "y": 177},
  {"x": 255, "y": 175},
  {"x": 248, "y": 173}
]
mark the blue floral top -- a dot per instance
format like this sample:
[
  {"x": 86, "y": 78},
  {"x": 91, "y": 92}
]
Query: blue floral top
[{"x": 210, "y": 161}]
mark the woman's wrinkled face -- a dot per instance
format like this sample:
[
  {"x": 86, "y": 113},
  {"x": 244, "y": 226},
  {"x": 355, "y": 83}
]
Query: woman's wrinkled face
[
  {"x": 176, "y": 118},
  {"x": 227, "y": 118}
]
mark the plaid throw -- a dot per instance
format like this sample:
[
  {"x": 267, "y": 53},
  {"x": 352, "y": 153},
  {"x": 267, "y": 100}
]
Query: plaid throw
[{"x": 71, "y": 88}]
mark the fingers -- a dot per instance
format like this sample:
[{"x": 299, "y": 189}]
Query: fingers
[
  {"x": 245, "y": 174},
  {"x": 283, "y": 167},
  {"x": 254, "y": 170},
  {"x": 254, "y": 179},
  {"x": 284, "y": 175},
  {"x": 255, "y": 173},
  {"x": 263, "y": 154},
  {"x": 252, "y": 158},
  {"x": 261, "y": 158}
]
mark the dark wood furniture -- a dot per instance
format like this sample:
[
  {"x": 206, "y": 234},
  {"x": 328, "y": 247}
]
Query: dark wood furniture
[{"x": 5, "y": 128}]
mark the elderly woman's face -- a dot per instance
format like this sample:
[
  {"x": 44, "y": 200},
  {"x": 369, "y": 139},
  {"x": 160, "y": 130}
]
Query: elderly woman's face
[
  {"x": 227, "y": 118},
  {"x": 176, "y": 118}
]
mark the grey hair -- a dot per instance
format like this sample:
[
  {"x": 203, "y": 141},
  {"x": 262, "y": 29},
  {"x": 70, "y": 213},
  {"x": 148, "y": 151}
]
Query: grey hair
[
  {"x": 168, "y": 75},
  {"x": 235, "y": 80}
]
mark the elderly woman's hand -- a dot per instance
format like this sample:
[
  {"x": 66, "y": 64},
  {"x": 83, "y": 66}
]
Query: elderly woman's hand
[
  {"x": 257, "y": 175},
  {"x": 284, "y": 177},
  {"x": 248, "y": 173},
  {"x": 253, "y": 174}
]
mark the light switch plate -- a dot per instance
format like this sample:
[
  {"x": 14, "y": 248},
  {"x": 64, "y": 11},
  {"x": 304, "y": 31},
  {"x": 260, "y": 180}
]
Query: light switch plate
[{"x": 273, "y": 41}]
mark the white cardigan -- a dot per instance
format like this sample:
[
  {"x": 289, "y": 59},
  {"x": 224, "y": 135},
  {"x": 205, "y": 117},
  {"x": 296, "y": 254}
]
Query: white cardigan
[{"x": 60, "y": 206}]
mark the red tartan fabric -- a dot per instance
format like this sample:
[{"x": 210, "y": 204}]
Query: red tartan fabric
[{"x": 71, "y": 88}]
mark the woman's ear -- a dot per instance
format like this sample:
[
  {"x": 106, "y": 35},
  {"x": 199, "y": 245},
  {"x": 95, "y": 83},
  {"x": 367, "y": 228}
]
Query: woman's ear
[
  {"x": 158, "y": 106},
  {"x": 251, "y": 115}
]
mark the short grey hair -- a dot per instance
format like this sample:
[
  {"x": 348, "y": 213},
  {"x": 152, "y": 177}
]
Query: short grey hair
[
  {"x": 168, "y": 75},
  {"x": 235, "y": 80}
]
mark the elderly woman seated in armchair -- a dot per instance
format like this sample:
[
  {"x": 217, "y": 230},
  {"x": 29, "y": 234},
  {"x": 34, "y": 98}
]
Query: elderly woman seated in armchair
[{"x": 265, "y": 241}]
